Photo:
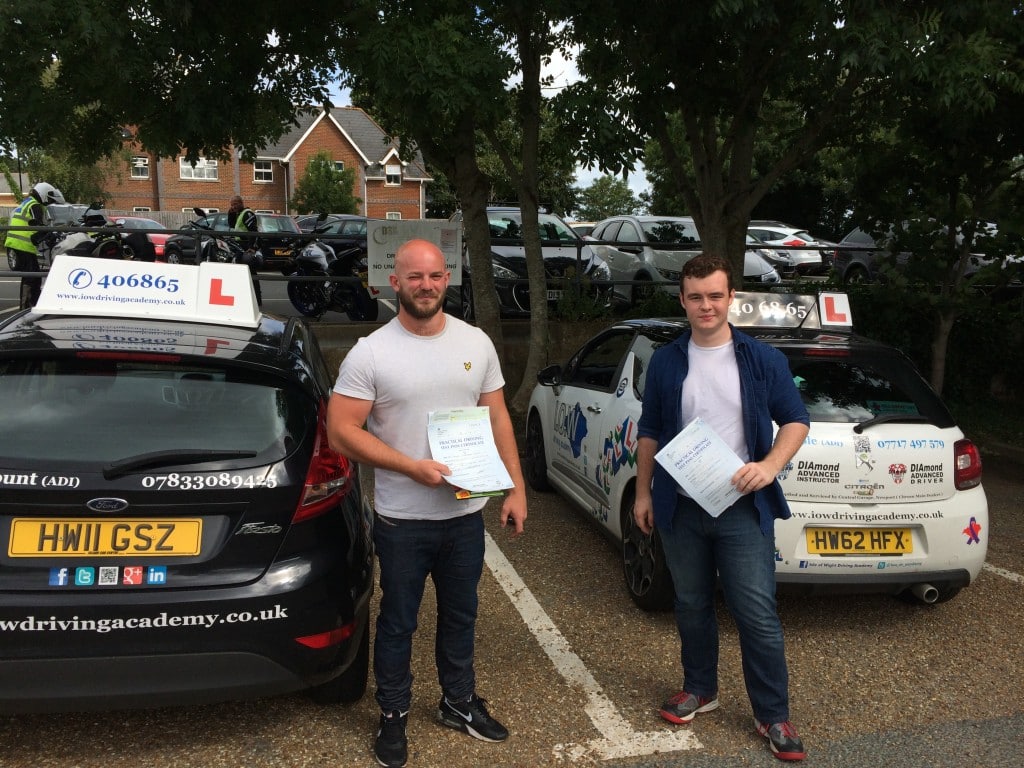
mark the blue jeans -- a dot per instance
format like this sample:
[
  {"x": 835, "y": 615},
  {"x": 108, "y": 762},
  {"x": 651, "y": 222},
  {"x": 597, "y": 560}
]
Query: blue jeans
[
  {"x": 451, "y": 552},
  {"x": 732, "y": 546}
]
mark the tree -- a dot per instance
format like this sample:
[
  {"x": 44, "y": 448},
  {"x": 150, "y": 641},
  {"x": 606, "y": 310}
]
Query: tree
[
  {"x": 325, "y": 189},
  {"x": 606, "y": 196},
  {"x": 721, "y": 72},
  {"x": 78, "y": 182}
]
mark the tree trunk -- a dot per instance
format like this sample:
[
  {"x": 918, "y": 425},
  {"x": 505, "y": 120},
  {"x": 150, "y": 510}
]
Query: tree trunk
[{"x": 940, "y": 343}]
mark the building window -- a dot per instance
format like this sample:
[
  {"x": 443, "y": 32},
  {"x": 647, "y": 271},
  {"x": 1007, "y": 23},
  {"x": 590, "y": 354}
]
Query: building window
[
  {"x": 140, "y": 167},
  {"x": 393, "y": 174},
  {"x": 339, "y": 165},
  {"x": 204, "y": 169},
  {"x": 263, "y": 171},
  {"x": 393, "y": 215},
  {"x": 141, "y": 209}
]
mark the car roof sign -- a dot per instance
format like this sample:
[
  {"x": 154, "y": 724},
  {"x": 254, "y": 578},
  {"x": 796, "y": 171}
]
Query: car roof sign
[
  {"x": 216, "y": 293},
  {"x": 827, "y": 310}
]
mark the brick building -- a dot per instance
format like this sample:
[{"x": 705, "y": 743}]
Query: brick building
[{"x": 387, "y": 186}]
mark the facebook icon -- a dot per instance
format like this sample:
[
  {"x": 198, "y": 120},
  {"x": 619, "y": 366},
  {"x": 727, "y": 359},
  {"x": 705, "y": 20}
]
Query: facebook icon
[{"x": 58, "y": 577}]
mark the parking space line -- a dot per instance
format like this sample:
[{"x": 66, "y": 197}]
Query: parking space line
[
  {"x": 1004, "y": 573},
  {"x": 618, "y": 739}
]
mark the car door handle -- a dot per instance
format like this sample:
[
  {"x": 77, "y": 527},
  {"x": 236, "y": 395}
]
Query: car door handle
[{"x": 594, "y": 408}]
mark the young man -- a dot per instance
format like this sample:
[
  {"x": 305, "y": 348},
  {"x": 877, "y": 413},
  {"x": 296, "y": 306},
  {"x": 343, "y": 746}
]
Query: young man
[
  {"x": 421, "y": 361},
  {"x": 738, "y": 386}
]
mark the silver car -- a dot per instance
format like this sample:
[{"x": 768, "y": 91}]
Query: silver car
[{"x": 645, "y": 251}]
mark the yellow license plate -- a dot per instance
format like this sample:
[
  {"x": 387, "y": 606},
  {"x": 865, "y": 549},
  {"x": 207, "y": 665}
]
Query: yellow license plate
[
  {"x": 859, "y": 541},
  {"x": 88, "y": 537}
]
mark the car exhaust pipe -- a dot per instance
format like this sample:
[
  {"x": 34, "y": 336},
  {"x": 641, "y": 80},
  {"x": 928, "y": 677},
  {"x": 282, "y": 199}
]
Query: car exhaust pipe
[{"x": 926, "y": 593}]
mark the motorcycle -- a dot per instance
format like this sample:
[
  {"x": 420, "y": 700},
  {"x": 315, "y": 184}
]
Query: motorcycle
[
  {"x": 103, "y": 243},
  {"x": 350, "y": 295}
]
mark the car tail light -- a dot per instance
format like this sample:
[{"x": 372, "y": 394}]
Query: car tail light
[
  {"x": 329, "y": 638},
  {"x": 967, "y": 465},
  {"x": 328, "y": 477},
  {"x": 795, "y": 241}
]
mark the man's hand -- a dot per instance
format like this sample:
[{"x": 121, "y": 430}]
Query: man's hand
[
  {"x": 513, "y": 510},
  {"x": 643, "y": 513}
]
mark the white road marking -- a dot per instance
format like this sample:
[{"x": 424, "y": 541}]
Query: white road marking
[
  {"x": 1004, "y": 573},
  {"x": 618, "y": 739}
]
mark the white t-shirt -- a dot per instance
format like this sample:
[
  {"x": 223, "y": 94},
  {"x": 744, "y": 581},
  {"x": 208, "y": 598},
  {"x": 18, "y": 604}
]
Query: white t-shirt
[
  {"x": 407, "y": 376},
  {"x": 711, "y": 390}
]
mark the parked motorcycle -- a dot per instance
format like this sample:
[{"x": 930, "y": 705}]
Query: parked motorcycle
[
  {"x": 313, "y": 298},
  {"x": 103, "y": 242}
]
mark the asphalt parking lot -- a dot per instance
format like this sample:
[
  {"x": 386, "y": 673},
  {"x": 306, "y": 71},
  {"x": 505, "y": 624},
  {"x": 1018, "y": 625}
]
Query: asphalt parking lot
[{"x": 576, "y": 672}]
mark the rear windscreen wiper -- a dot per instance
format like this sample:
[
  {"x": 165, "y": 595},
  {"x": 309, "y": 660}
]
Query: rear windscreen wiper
[
  {"x": 885, "y": 418},
  {"x": 170, "y": 458}
]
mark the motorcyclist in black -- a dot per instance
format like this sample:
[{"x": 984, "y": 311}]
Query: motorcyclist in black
[{"x": 242, "y": 219}]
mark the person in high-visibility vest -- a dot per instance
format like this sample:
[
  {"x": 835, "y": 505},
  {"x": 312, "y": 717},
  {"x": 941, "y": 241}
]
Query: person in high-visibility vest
[
  {"x": 22, "y": 244},
  {"x": 242, "y": 219}
]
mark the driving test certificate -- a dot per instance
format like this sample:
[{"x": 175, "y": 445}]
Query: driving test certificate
[
  {"x": 700, "y": 461},
  {"x": 461, "y": 438}
]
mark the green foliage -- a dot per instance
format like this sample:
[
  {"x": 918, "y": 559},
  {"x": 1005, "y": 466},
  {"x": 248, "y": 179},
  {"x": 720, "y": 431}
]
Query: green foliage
[
  {"x": 78, "y": 181},
  {"x": 606, "y": 196},
  {"x": 325, "y": 189},
  {"x": 580, "y": 300}
]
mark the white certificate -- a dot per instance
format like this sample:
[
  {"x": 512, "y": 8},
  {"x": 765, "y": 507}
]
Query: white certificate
[
  {"x": 700, "y": 461},
  {"x": 461, "y": 438}
]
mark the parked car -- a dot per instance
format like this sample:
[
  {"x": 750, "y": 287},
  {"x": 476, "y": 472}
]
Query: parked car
[
  {"x": 339, "y": 230},
  {"x": 885, "y": 493},
  {"x": 277, "y": 250},
  {"x": 583, "y": 228},
  {"x": 563, "y": 250},
  {"x": 157, "y": 240},
  {"x": 858, "y": 257},
  {"x": 790, "y": 240},
  {"x": 177, "y": 529},
  {"x": 640, "y": 249}
]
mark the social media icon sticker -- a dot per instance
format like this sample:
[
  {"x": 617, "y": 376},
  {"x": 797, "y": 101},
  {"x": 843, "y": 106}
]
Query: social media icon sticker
[
  {"x": 85, "y": 577},
  {"x": 59, "y": 577},
  {"x": 132, "y": 575}
]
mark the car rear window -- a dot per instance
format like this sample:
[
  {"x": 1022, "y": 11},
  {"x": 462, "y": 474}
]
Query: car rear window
[
  {"x": 97, "y": 411},
  {"x": 856, "y": 387}
]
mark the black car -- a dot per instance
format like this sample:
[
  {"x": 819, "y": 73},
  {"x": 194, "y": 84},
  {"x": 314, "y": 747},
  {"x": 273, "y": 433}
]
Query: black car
[
  {"x": 565, "y": 254},
  {"x": 177, "y": 529},
  {"x": 339, "y": 230},
  {"x": 278, "y": 241}
]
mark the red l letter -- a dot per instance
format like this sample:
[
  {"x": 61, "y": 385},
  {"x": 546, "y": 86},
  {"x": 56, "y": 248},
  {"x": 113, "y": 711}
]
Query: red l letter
[
  {"x": 216, "y": 297},
  {"x": 831, "y": 315}
]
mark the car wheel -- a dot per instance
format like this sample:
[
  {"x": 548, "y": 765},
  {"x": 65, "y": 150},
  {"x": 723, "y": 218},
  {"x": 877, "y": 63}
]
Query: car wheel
[
  {"x": 535, "y": 465},
  {"x": 643, "y": 291},
  {"x": 643, "y": 563},
  {"x": 350, "y": 685},
  {"x": 172, "y": 255},
  {"x": 127, "y": 253},
  {"x": 856, "y": 274},
  {"x": 466, "y": 296}
]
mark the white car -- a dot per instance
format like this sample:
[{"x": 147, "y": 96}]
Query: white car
[
  {"x": 790, "y": 240},
  {"x": 645, "y": 251},
  {"x": 885, "y": 493}
]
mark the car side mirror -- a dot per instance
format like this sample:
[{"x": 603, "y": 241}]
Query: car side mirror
[{"x": 551, "y": 376}]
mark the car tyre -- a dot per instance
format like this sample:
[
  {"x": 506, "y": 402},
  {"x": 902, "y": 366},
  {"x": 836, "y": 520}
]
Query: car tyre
[
  {"x": 172, "y": 255},
  {"x": 856, "y": 275},
  {"x": 534, "y": 458},
  {"x": 466, "y": 297},
  {"x": 643, "y": 563},
  {"x": 643, "y": 291},
  {"x": 350, "y": 685}
]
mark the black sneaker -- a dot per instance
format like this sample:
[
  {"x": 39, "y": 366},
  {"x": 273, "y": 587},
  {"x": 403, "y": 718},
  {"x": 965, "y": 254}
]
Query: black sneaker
[
  {"x": 684, "y": 706},
  {"x": 783, "y": 739},
  {"x": 471, "y": 717},
  {"x": 391, "y": 747}
]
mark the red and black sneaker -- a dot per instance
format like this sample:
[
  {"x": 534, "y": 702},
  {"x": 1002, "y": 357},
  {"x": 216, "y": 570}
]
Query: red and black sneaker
[
  {"x": 684, "y": 706},
  {"x": 783, "y": 739}
]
